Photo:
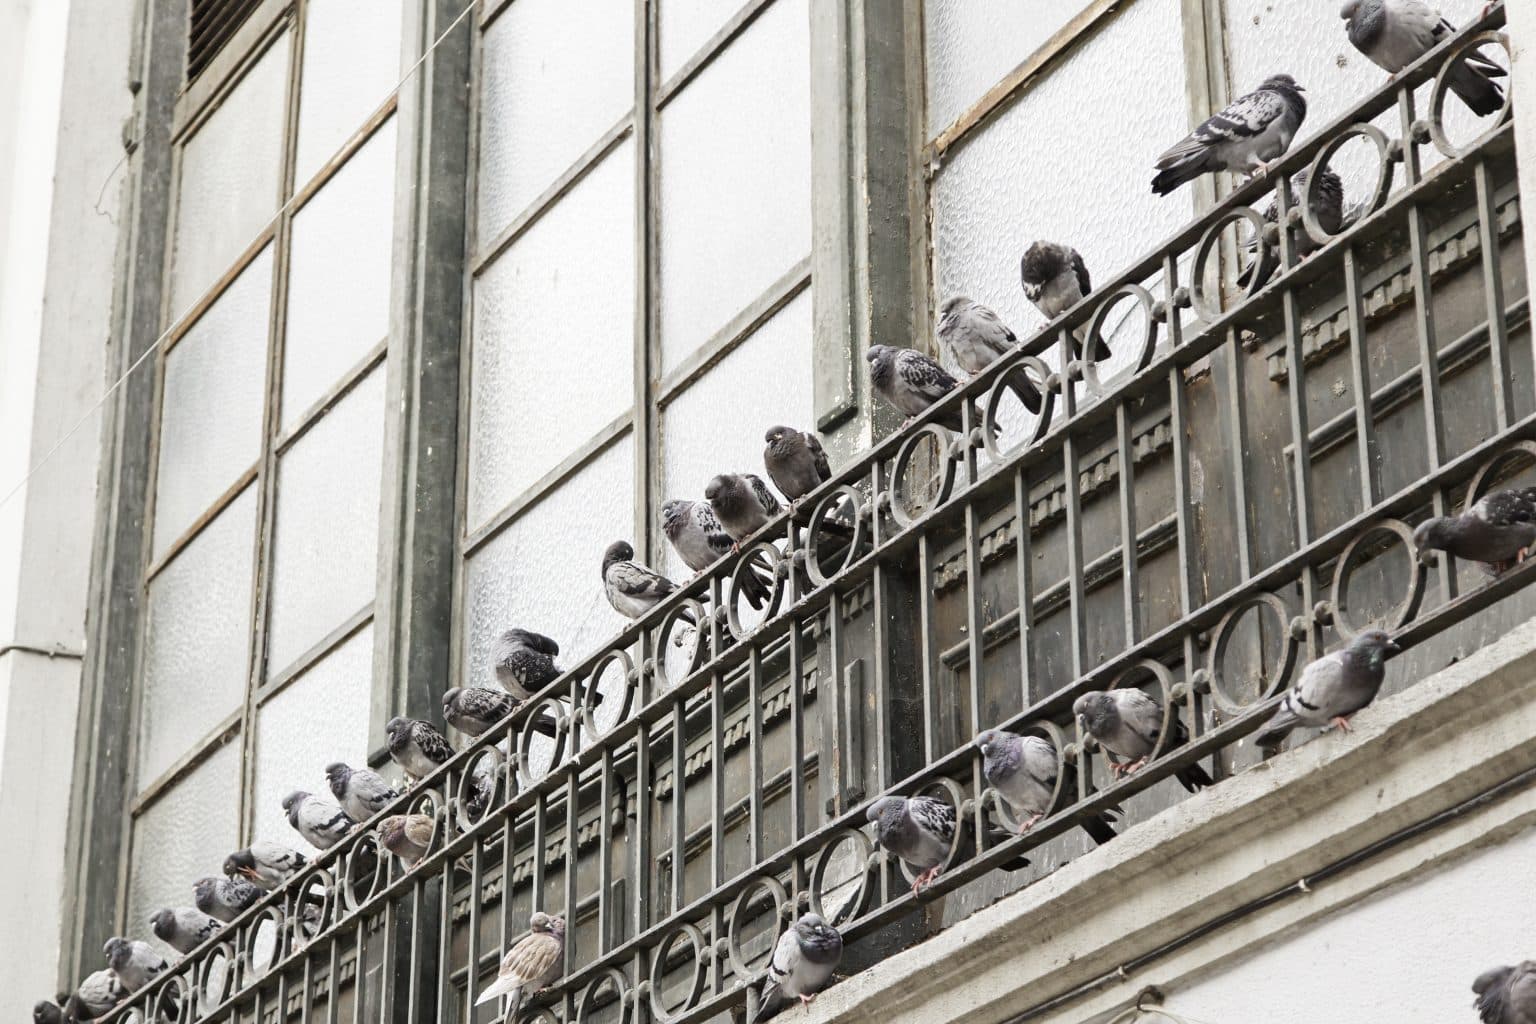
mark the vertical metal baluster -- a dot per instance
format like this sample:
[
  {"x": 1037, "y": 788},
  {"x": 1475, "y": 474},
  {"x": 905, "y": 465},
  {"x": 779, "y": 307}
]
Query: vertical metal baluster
[
  {"x": 975, "y": 615},
  {"x": 641, "y": 867},
  {"x": 1301, "y": 451},
  {"x": 841, "y": 767},
  {"x": 716, "y": 780},
  {"x": 477, "y": 887},
  {"x": 883, "y": 640},
  {"x": 755, "y": 753},
  {"x": 1178, "y": 424},
  {"x": 572, "y": 850},
  {"x": 605, "y": 854},
  {"x": 679, "y": 784},
  {"x": 1237, "y": 413},
  {"x": 1493, "y": 294},
  {"x": 540, "y": 842},
  {"x": 926, "y": 632},
  {"x": 388, "y": 984},
  {"x": 796, "y": 732},
  {"x": 360, "y": 973},
  {"x": 1077, "y": 612},
  {"x": 332, "y": 975},
  {"x": 307, "y": 1003},
  {"x": 1126, "y": 446},
  {"x": 443, "y": 983},
  {"x": 508, "y": 865},
  {"x": 1424, "y": 324},
  {"x": 1360, "y": 377},
  {"x": 1025, "y": 572}
]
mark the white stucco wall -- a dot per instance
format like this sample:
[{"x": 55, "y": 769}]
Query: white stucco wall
[
  {"x": 63, "y": 98},
  {"x": 1409, "y": 953}
]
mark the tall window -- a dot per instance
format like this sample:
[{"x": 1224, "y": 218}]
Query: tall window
[
  {"x": 258, "y": 656},
  {"x": 641, "y": 302}
]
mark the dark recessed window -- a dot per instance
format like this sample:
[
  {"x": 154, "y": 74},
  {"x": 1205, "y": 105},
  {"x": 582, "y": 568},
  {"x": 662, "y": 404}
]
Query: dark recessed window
[{"x": 213, "y": 23}]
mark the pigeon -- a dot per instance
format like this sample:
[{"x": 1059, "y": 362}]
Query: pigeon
[
  {"x": 1055, "y": 279},
  {"x": 46, "y": 1011},
  {"x": 1498, "y": 531},
  {"x": 973, "y": 336},
  {"x": 742, "y": 503},
  {"x": 1246, "y": 135},
  {"x": 1127, "y": 723},
  {"x": 1023, "y": 771},
  {"x": 911, "y": 382},
  {"x": 1507, "y": 995},
  {"x": 474, "y": 709},
  {"x": 1327, "y": 210},
  {"x": 407, "y": 836},
  {"x": 1332, "y": 688},
  {"x": 97, "y": 994},
  {"x": 700, "y": 541},
  {"x": 632, "y": 589},
  {"x": 1396, "y": 33},
  {"x": 134, "y": 962},
  {"x": 183, "y": 928},
  {"x": 795, "y": 461},
  {"x": 361, "y": 792},
  {"x": 803, "y": 961},
  {"x": 267, "y": 864},
  {"x": 417, "y": 746},
  {"x": 321, "y": 822},
  {"x": 921, "y": 831},
  {"x": 536, "y": 960},
  {"x": 224, "y": 898}
]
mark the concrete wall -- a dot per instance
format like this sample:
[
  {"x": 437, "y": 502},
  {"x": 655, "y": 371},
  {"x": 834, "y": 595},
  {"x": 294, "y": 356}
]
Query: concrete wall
[{"x": 65, "y": 88}]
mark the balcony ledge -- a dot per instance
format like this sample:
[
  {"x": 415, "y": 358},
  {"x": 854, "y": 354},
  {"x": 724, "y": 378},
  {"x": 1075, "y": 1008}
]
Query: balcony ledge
[{"x": 1438, "y": 744}]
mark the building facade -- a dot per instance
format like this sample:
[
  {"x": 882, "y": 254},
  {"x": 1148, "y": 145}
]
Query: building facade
[{"x": 342, "y": 335}]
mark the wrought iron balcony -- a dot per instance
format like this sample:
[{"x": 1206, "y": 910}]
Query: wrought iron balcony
[{"x": 1201, "y": 523}]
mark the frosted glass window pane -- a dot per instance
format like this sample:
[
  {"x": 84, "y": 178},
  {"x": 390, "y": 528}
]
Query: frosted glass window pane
[
  {"x": 555, "y": 76},
  {"x": 338, "y": 282},
  {"x": 230, "y": 176},
  {"x": 994, "y": 196},
  {"x": 198, "y": 639},
  {"x": 553, "y": 321},
  {"x": 183, "y": 836},
  {"x": 717, "y": 425},
  {"x": 320, "y": 717},
  {"x": 351, "y": 65},
  {"x": 735, "y": 179},
  {"x": 973, "y": 44},
  {"x": 210, "y": 419},
  {"x": 543, "y": 571},
  {"x": 327, "y": 524},
  {"x": 686, "y": 25}
]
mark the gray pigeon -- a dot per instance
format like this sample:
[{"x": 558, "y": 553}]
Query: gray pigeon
[
  {"x": 1245, "y": 136},
  {"x": 46, "y": 1011},
  {"x": 225, "y": 898},
  {"x": 525, "y": 662},
  {"x": 920, "y": 830},
  {"x": 134, "y": 962},
  {"x": 911, "y": 382},
  {"x": 742, "y": 503},
  {"x": 1332, "y": 688},
  {"x": 321, "y": 822},
  {"x": 474, "y": 709},
  {"x": 974, "y": 337},
  {"x": 1327, "y": 210},
  {"x": 803, "y": 961},
  {"x": 632, "y": 589},
  {"x": 536, "y": 960},
  {"x": 267, "y": 864},
  {"x": 361, "y": 792},
  {"x": 1127, "y": 722},
  {"x": 1023, "y": 771},
  {"x": 183, "y": 928},
  {"x": 700, "y": 541},
  {"x": 1396, "y": 33},
  {"x": 407, "y": 836},
  {"x": 795, "y": 461},
  {"x": 1498, "y": 531},
  {"x": 98, "y": 993},
  {"x": 1055, "y": 279},
  {"x": 417, "y": 746},
  {"x": 1507, "y": 995}
]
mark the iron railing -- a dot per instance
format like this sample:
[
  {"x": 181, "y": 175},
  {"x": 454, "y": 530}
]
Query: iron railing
[{"x": 1202, "y": 524}]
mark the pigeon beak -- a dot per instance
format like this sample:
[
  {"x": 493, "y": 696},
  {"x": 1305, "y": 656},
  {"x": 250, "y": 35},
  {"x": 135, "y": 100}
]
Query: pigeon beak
[{"x": 1392, "y": 647}]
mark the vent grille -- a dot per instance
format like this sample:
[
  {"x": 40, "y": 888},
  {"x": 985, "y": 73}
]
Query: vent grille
[{"x": 213, "y": 23}]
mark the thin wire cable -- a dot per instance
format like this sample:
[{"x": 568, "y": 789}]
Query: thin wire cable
[{"x": 151, "y": 349}]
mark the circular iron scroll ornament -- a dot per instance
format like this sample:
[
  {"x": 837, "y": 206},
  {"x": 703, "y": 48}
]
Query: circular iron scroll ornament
[
  {"x": 1199, "y": 298},
  {"x": 762, "y": 555},
  {"x": 1026, "y": 372},
  {"x": 1351, "y": 558},
  {"x": 470, "y": 781},
  {"x": 525, "y": 739},
  {"x": 1386, "y": 166},
  {"x": 946, "y": 473},
  {"x": 586, "y": 1003},
  {"x": 1442, "y": 86},
  {"x": 687, "y": 614},
  {"x": 1222, "y": 639},
  {"x": 838, "y": 497},
  {"x": 1052, "y": 734},
  {"x": 1095, "y": 329},
  {"x": 850, "y": 907},
  {"x": 775, "y": 889},
  {"x": 701, "y": 954},
  {"x": 1165, "y": 683},
  {"x": 587, "y": 708}
]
